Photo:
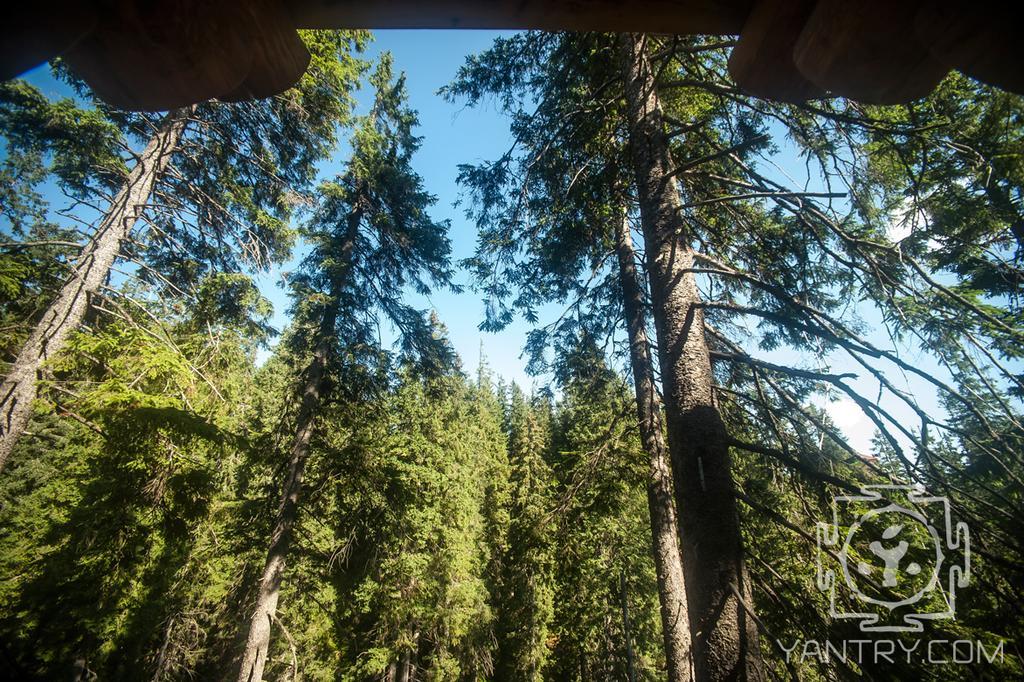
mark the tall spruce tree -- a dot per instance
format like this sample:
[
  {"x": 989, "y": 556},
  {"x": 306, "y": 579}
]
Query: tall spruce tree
[
  {"x": 548, "y": 228},
  {"x": 606, "y": 623},
  {"x": 525, "y": 585},
  {"x": 105, "y": 505},
  {"x": 726, "y": 243},
  {"x": 671, "y": 583},
  {"x": 726, "y": 642},
  {"x": 413, "y": 595},
  {"x": 371, "y": 236},
  {"x": 214, "y": 184}
]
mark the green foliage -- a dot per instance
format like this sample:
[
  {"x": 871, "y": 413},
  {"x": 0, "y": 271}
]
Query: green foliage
[
  {"x": 371, "y": 236},
  {"x": 414, "y": 580},
  {"x": 81, "y": 146},
  {"x": 44, "y": 142},
  {"x": 30, "y": 272},
  {"x": 603, "y": 529},
  {"x": 99, "y": 538},
  {"x": 245, "y": 169},
  {"x": 524, "y": 584},
  {"x": 461, "y": 528},
  {"x": 232, "y": 300},
  {"x": 902, "y": 263}
]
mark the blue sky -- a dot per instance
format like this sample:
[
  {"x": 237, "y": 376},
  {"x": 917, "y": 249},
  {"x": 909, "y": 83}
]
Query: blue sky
[{"x": 453, "y": 134}]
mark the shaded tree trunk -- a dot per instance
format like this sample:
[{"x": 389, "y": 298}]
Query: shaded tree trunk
[
  {"x": 407, "y": 666},
  {"x": 675, "y": 624},
  {"x": 725, "y": 642},
  {"x": 254, "y": 657},
  {"x": 257, "y": 642},
  {"x": 91, "y": 270},
  {"x": 627, "y": 629}
]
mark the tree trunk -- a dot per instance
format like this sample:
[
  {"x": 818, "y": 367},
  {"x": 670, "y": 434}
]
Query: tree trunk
[
  {"x": 627, "y": 629},
  {"x": 257, "y": 642},
  {"x": 725, "y": 642},
  {"x": 405, "y": 667},
  {"x": 408, "y": 661},
  {"x": 68, "y": 309},
  {"x": 667, "y": 562},
  {"x": 254, "y": 658}
]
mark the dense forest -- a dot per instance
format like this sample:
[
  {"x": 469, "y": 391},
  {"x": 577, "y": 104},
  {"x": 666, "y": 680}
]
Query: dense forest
[{"x": 187, "y": 493}]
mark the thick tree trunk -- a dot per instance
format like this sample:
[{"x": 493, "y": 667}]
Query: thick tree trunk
[
  {"x": 257, "y": 642},
  {"x": 68, "y": 309},
  {"x": 668, "y": 565},
  {"x": 725, "y": 643}
]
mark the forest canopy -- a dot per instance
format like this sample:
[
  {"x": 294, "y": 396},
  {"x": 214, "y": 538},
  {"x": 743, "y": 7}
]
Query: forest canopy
[{"x": 188, "y": 492}]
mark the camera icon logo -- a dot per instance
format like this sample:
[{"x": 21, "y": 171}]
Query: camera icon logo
[{"x": 892, "y": 557}]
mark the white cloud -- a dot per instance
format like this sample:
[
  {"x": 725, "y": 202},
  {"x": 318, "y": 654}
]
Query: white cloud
[
  {"x": 845, "y": 413},
  {"x": 852, "y": 422},
  {"x": 904, "y": 220}
]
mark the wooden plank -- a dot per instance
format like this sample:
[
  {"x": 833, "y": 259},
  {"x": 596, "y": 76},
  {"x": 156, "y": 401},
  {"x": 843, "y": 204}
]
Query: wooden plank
[
  {"x": 279, "y": 57},
  {"x": 762, "y": 63},
  {"x": 162, "y": 54},
  {"x": 983, "y": 42},
  {"x": 867, "y": 50},
  {"x": 718, "y": 17},
  {"x": 32, "y": 33}
]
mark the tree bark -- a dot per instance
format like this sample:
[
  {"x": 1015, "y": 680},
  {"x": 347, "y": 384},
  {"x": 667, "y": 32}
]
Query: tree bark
[
  {"x": 91, "y": 270},
  {"x": 627, "y": 629},
  {"x": 668, "y": 565},
  {"x": 405, "y": 667},
  {"x": 257, "y": 642},
  {"x": 725, "y": 642},
  {"x": 254, "y": 657}
]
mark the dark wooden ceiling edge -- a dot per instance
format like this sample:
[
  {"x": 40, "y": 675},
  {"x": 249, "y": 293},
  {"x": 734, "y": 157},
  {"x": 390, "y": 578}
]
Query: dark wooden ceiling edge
[
  {"x": 710, "y": 17},
  {"x": 764, "y": 65},
  {"x": 664, "y": 28}
]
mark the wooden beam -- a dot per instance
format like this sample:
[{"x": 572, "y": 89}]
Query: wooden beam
[
  {"x": 984, "y": 44},
  {"x": 34, "y": 32},
  {"x": 719, "y": 17},
  {"x": 762, "y": 63},
  {"x": 162, "y": 54},
  {"x": 279, "y": 57},
  {"x": 867, "y": 50}
]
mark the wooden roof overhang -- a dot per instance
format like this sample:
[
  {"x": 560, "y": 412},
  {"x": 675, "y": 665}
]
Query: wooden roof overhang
[{"x": 161, "y": 54}]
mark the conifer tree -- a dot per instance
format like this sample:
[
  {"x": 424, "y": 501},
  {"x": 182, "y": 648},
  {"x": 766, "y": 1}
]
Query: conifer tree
[
  {"x": 524, "y": 595},
  {"x": 371, "y": 237},
  {"x": 563, "y": 256},
  {"x": 664, "y": 527},
  {"x": 214, "y": 184},
  {"x": 606, "y": 623},
  {"x": 91, "y": 269},
  {"x": 414, "y": 592},
  {"x": 124, "y": 472},
  {"x": 726, "y": 243},
  {"x": 430, "y": 527},
  {"x": 726, "y": 643}
]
